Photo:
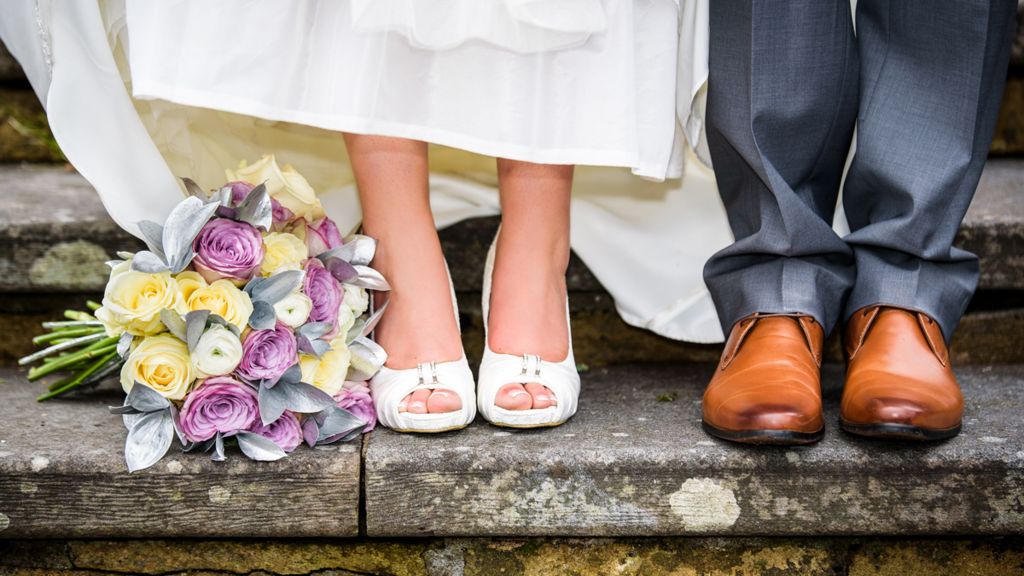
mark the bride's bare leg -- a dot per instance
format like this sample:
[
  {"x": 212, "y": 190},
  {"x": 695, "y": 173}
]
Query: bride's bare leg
[
  {"x": 419, "y": 326},
  {"x": 527, "y": 314}
]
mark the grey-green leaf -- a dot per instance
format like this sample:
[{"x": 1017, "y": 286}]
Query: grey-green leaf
[
  {"x": 145, "y": 399},
  {"x": 181, "y": 228},
  {"x": 218, "y": 449},
  {"x": 305, "y": 398},
  {"x": 148, "y": 262},
  {"x": 153, "y": 235},
  {"x": 195, "y": 325},
  {"x": 148, "y": 440},
  {"x": 174, "y": 322},
  {"x": 193, "y": 189},
  {"x": 357, "y": 250},
  {"x": 259, "y": 448},
  {"x": 370, "y": 279},
  {"x": 124, "y": 344},
  {"x": 273, "y": 289},
  {"x": 367, "y": 359},
  {"x": 256, "y": 208},
  {"x": 273, "y": 402},
  {"x": 263, "y": 316},
  {"x": 337, "y": 424}
]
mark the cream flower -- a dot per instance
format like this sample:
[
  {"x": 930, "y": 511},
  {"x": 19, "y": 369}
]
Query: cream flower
[
  {"x": 188, "y": 282},
  {"x": 222, "y": 298},
  {"x": 218, "y": 352},
  {"x": 132, "y": 301},
  {"x": 283, "y": 251},
  {"x": 162, "y": 363},
  {"x": 327, "y": 372},
  {"x": 357, "y": 299},
  {"x": 283, "y": 184},
  {"x": 293, "y": 309},
  {"x": 346, "y": 320}
]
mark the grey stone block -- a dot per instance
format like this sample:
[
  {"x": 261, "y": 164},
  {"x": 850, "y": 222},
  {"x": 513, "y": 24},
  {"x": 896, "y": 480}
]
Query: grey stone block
[
  {"x": 51, "y": 222},
  {"x": 62, "y": 474},
  {"x": 994, "y": 226},
  {"x": 634, "y": 461}
]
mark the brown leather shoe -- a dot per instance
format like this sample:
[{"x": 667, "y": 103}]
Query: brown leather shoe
[
  {"x": 899, "y": 383},
  {"x": 767, "y": 388}
]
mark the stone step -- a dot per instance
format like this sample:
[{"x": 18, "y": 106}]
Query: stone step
[
  {"x": 633, "y": 462},
  {"x": 62, "y": 474},
  {"x": 51, "y": 219},
  {"x": 55, "y": 236}
]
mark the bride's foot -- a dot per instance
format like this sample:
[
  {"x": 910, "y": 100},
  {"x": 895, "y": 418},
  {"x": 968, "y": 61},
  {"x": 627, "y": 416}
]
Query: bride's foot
[
  {"x": 419, "y": 325},
  {"x": 527, "y": 313}
]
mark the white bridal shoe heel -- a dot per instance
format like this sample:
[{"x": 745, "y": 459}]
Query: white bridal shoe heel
[
  {"x": 389, "y": 387},
  {"x": 497, "y": 370}
]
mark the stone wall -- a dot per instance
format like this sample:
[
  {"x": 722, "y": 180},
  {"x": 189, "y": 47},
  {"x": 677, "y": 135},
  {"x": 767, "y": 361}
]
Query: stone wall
[{"x": 554, "y": 557}]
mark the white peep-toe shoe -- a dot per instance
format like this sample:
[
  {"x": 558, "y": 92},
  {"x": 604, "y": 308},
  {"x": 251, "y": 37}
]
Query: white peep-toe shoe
[
  {"x": 389, "y": 387},
  {"x": 497, "y": 370}
]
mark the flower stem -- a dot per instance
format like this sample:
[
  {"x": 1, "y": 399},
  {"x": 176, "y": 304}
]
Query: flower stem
[
  {"x": 74, "y": 382},
  {"x": 75, "y": 342},
  {"x": 40, "y": 371},
  {"x": 66, "y": 333},
  {"x": 71, "y": 324},
  {"x": 79, "y": 316}
]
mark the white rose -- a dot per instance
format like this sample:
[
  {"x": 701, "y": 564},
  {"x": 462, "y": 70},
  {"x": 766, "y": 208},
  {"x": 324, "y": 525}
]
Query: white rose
[
  {"x": 218, "y": 352},
  {"x": 346, "y": 319},
  {"x": 357, "y": 299},
  {"x": 293, "y": 310}
]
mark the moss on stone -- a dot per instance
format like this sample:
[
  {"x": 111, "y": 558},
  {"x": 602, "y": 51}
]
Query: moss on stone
[{"x": 24, "y": 132}]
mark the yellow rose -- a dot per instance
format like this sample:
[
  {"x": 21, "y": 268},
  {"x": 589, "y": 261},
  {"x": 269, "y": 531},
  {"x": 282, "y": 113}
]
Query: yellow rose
[
  {"x": 223, "y": 299},
  {"x": 188, "y": 282},
  {"x": 328, "y": 371},
  {"x": 161, "y": 362},
  {"x": 132, "y": 301},
  {"x": 282, "y": 251},
  {"x": 283, "y": 184}
]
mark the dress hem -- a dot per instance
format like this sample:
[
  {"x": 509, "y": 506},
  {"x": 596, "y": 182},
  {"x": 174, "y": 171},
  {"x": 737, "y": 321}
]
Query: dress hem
[{"x": 340, "y": 123}]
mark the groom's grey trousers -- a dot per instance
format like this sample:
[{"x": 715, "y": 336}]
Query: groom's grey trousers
[{"x": 922, "y": 80}]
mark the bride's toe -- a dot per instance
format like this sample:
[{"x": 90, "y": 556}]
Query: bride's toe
[
  {"x": 513, "y": 397},
  {"x": 416, "y": 403},
  {"x": 443, "y": 400},
  {"x": 542, "y": 396}
]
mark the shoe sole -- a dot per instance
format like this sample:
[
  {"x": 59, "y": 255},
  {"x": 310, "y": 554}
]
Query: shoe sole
[
  {"x": 528, "y": 426},
  {"x": 765, "y": 437},
  {"x": 437, "y": 431},
  {"x": 884, "y": 431}
]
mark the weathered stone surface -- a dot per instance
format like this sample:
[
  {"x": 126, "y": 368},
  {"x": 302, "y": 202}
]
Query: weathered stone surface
[
  {"x": 1009, "y": 135},
  {"x": 635, "y": 462},
  {"x": 31, "y": 231},
  {"x": 994, "y": 226},
  {"x": 995, "y": 557},
  {"x": 62, "y": 474},
  {"x": 534, "y": 557},
  {"x": 54, "y": 233}
]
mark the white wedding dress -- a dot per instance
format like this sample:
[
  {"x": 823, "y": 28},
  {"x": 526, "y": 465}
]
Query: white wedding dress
[{"x": 139, "y": 92}]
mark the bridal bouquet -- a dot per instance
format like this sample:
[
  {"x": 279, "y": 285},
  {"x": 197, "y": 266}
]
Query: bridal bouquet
[{"x": 246, "y": 319}]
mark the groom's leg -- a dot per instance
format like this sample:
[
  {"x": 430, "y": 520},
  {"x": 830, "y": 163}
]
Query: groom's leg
[
  {"x": 782, "y": 101},
  {"x": 932, "y": 74}
]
